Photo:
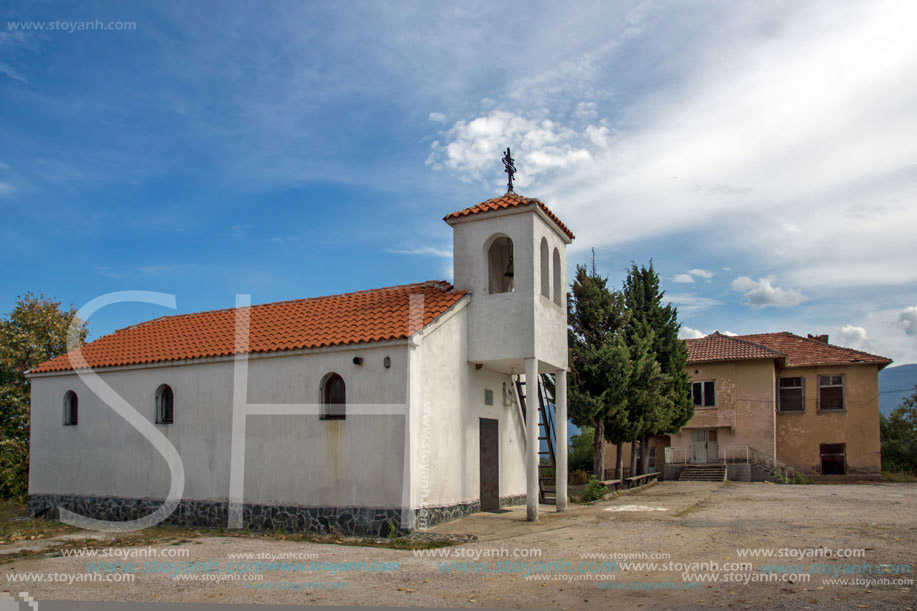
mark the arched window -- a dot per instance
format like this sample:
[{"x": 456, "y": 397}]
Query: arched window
[
  {"x": 165, "y": 403},
  {"x": 500, "y": 266},
  {"x": 558, "y": 279},
  {"x": 334, "y": 397},
  {"x": 71, "y": 408},
  {"x": 545, "y": 271}
]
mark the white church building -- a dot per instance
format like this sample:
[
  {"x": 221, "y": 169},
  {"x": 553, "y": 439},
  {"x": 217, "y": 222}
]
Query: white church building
[{"x": 380, "y": 411}]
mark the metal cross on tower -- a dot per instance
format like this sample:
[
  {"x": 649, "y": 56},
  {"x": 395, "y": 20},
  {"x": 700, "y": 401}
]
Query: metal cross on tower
[{"x": 510, "y": 169}]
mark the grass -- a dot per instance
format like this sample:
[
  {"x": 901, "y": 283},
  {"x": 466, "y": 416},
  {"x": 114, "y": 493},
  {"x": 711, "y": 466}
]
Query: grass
[
  {"x": 898, "y": 476},
  {"x": 16, "y": 527}
]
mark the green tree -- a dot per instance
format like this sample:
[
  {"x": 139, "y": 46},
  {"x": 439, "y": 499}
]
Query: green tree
[
  {"x": 899, "y": 436},
  {"x": 35, "y": 331},
  {"x": 599, "y": 360},
  {"x": 646, "y": 401},
  {"x": 666, "y": 405},
  {"x": 580, "y": 453}
]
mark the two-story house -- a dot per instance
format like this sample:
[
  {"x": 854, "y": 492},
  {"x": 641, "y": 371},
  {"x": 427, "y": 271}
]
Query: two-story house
[{"x": 798, "y": 401}]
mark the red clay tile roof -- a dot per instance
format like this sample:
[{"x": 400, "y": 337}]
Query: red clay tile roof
[
  {"x": 353, "y": 318},
  {"x": 719, "y": 347},
  {"x": 805, "y": 351},
  {"x": 794, "y": 350},
  {"x": 510, "y": 200}
]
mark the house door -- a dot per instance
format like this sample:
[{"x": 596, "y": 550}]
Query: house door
[
  {"x": 704, "y": 446},
  {"x": 490, "y": 463}
]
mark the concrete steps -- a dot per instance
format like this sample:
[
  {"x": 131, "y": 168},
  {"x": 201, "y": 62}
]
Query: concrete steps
[{"x": 703, "y": 473}]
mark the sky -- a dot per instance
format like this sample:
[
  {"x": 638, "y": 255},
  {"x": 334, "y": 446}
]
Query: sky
[{"x": 762, "y": 154}]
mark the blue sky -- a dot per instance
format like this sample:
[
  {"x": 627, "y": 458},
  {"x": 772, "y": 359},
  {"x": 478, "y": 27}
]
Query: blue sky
[{"x": 763, "y": 154}]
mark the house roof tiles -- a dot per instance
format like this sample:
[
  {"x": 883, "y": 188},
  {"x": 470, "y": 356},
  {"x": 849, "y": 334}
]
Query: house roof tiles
[
  {"x": 809, "y": 351},
  {"x": 352, "y": 318},
  {"x": 505, "y": 202},
  {"x": 793, "y": 350}
]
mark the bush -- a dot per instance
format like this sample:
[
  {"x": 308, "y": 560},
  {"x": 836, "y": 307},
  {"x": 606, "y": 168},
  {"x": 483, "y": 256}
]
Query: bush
[
  {"x": 594, "y": 491},
  {"x": 580, "y": 454},
  {"x": 578, "y": 478}
]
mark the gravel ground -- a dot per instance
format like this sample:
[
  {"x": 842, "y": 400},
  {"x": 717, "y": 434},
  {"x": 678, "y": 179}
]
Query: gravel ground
[{"x": 692, "y": 522}]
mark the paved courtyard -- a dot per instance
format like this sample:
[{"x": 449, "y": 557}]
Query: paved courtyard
[{"x": 697, "y": 534}]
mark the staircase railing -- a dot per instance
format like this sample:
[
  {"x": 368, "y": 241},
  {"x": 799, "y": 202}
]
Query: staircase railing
[
  {"x": 676, "y": 456},
  {"x": 547, "y": 461},
  {"x": 750, "y": 455}
]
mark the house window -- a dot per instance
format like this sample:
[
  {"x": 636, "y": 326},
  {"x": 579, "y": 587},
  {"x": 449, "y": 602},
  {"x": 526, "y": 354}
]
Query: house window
[
  {"x": 833, "y": 458},
  {"x": 652, "y": 459},
  {"x": 165, "y": 401},
  {"x": 500, "y": 266},
  {"x": 71, "y": 408},
  {"x": 704, "y": 394},
  {"x": 831, "y": 393},
  {"x": 558, "y": 282},
  {"x": 792, "y": 395},
  {"x": 334, "y": 397},
  {"x": 488, "y": 396},
  {"x": 545, "y": 269}
]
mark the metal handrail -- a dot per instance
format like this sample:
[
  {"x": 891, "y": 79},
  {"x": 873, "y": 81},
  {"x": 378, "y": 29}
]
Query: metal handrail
[
  {"x": 671, "y": 455},
  {"x": 756, "y": 457}
]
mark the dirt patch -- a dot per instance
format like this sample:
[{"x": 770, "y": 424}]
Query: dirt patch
[{"x": 704, "y": 528}]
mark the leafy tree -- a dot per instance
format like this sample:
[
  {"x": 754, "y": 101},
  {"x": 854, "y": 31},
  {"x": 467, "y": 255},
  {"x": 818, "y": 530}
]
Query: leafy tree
[
  {"x": 599, "y": 360},
  {"x": 35, "y": 331},
  {"x": 580, "y": 453},
  {"x": 665, "y": 405},
  {"x": 899, "y": 436},
  {"x": 646, "y": 402}
]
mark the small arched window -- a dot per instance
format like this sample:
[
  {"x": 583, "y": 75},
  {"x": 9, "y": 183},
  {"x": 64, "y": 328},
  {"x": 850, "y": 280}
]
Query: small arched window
[
  {"x": 334, "y": 397},
  {"x": 500, "y": 266},
  {"x": 558, "y": 279},
  {"x": 71, "y": 408},
  {"x": 165, "y": 404},
  {"x": 545, "y": 270}
]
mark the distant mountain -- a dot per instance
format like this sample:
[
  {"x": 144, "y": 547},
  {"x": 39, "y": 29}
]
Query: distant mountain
[{"x": 896, "y": 383}]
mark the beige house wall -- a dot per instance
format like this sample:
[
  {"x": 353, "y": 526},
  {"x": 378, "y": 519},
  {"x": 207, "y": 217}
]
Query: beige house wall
[
  {"x": 746, "y": 415},
  {"x": 744, "y": 412},
  {"x": 800, "y": 434}
]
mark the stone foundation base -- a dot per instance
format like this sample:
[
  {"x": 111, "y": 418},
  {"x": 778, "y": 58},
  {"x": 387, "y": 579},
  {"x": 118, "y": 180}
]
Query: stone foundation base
[{"x": 368, "y": 521}]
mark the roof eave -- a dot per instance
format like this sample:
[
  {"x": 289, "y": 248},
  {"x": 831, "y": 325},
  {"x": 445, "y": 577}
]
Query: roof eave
[{"x": 532, "y": 207}]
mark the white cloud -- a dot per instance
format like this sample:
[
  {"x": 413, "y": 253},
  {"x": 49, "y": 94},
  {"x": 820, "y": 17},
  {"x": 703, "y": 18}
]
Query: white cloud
[
  {"x": 683, "y": 278},
  {"x": 689, "y": 304},
  {"x": 437, "y": 117},
  {"x": 785, "y": 137},
  {"x": 585, "y": 110},
  {"x": 689, "y": 333},
  {"x": 855, "y": 336},
  {"x": 701, "y": 273},
  {"x": 423, "y": 251},
  {"x": 539, "y": 146},
  {"x": 11, "y": 72},
  {"x": 907, "y": 318},
  {"x": 851, "y": 335},
  {"x": 762, "y": 293},
  {"x": 729, "y": 333}
]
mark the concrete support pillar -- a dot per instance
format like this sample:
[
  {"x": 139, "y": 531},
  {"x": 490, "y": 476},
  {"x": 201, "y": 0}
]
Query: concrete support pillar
[
  {"x": 560, "y": 403},
  {"x": 531, "y": 436}
]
